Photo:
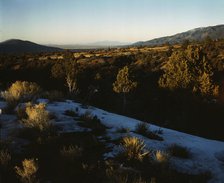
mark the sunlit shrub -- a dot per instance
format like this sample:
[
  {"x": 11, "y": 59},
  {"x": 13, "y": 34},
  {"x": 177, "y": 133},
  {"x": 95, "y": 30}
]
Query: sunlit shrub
[
  {"x": 21, "y": 90},
  {"x": 161, "y": 156},
  {"x": 133, "y": 148},
  {"x": 27, "y": 172},
  {"x": 37, "y": 117}
]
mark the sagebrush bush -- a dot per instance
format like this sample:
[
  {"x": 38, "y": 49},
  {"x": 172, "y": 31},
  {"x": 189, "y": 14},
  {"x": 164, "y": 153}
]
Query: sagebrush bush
[
  {"x": 27, "y": 172},
  {"x": 133, "y": 148},
  {"x": 21, "y": 90},
  {"x": 37, "y": 117}
]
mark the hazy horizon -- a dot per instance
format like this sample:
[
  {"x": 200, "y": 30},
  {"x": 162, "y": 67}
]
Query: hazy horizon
[{"x": 86, "y": 21}]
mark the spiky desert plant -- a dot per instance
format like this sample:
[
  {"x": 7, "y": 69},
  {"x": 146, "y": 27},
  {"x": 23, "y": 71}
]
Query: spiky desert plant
[{"x": 133, "y": 148}]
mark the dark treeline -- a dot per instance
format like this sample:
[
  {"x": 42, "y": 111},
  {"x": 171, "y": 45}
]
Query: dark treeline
[{"x": 180, "y": 87}]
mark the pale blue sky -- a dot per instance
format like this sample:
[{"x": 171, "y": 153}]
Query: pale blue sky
[{"x": 84, "y": 21}]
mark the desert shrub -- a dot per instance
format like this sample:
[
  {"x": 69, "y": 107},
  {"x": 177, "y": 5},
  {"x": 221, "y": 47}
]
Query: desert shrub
[
  {"x": 71, "y": 152},
  {"x": 179, "y": 151},
  {"x": 87, "y": 116},
  {"x": 38, "y": 117},
  {"x": 161, "y": 157},
  {"x": 21, "y": 110},
  {"x": 21, "y": 90},
  {"x": 90, "y": 121},
  {"x": 116, "y": 173},
  {"x": 142, "y": 128},
  {"x": 133, "y": 149},
  {"x": 27, "y": 172},
  {"x": 70, "y": 113},
  {"x": 53, "y": 95},
  {"x": 5, "y": 157},
  {"x": 123, "y": 130}
]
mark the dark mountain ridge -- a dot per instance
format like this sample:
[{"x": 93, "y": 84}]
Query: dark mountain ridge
[{"x": 19, "y": 46}]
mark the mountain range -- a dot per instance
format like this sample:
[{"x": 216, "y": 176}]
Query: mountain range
[{"x": 198, "y": 34}]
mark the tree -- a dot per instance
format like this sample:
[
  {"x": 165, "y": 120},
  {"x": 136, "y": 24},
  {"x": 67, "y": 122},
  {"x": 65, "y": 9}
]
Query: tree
[
  {"x": 68, "y": 71},
  {"x": 189, "y": 69},
  {"x": 123, "y": 84}
]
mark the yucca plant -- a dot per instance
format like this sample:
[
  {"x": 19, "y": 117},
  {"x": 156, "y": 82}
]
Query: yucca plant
[{"x": 133, "y": 148}]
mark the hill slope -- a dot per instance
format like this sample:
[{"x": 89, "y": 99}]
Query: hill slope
[
  {"x": 205, "y": 155},
  {"x": 198, "y": 34},
  {"x": 20, "y": 46}
]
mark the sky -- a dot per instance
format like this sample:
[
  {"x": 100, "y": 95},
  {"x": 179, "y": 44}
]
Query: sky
[{"x": 87, "y": 21}]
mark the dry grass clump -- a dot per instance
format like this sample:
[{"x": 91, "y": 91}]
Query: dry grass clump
[
  {"x": 27, "y": 172},
  {"x": 37, "y": 117},
  {"x": 5, "y": 157},
  {"x": 71, "y": 113},
  {"x": 71, "y": 152},
  {"x": 142, "y": 128},
  {"x": 53, "y": 95},
  {"x": 161, "y": 156},
  {"x": 87, "y": 116},
  {"x": 123, "y": 130},
  {"x": 133, "y": 148},
  {"x": 179, "y": 151},
  {"x": 90, "y": 121}
]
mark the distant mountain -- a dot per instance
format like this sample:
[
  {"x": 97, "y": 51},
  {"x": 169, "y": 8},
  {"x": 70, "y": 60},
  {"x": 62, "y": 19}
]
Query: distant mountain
[
  {"x": 198, "y": 34},
  {"x": 19, "y": 46},
  {"x": 94, "y": 45}
]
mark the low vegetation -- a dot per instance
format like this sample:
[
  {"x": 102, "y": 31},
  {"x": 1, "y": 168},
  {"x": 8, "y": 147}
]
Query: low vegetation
[
  {"x": 133, "y": 148},
  {"x": 179, "y": 151},
  {"x": 143, "y": 129},
  {"x": 37, "y": 117},
  {"x": 27, "y": 172}
]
